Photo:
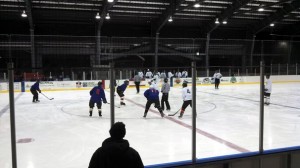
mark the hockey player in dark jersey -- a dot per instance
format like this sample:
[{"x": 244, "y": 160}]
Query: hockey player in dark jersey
[
  {"x": 120, "y": 90},
  {"x": 35, "y": 88},
  {"x": 152, "y": 96},
  {"x": 97, "y": 96}
]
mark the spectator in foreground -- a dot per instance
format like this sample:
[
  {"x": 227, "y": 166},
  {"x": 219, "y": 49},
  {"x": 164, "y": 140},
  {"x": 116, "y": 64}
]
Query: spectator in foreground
[{"x": 115, "y": 151}]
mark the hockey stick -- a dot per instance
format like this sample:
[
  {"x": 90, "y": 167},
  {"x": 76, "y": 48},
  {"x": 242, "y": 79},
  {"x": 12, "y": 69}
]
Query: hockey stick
[
  {"x": 47, "y": 97},
  {"x": 115, "y": 105},
  {"x": 174, "y": 113}
]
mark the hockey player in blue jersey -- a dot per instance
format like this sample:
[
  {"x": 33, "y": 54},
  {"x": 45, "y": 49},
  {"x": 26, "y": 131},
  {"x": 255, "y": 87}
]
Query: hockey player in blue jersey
[
  {"x": 35, "y": 88},
  {"x": 152, "y": 96},
  {"x": 97, "y": 96},
  {"x": 121, "y": 89}
]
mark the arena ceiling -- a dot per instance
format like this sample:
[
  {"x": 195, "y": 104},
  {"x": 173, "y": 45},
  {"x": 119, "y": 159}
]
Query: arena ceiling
[{"x": 149, "y": 17}]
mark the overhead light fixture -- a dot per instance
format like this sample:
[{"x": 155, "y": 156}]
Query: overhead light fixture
[
  {"x": 98, "y": 16},
  {"x": 170, "y": 19},
  {"x": 197, "y": 53},
  {"x": 110, "y": 1},
  {"x": 107, "y": 16},
  {"x": 24, "y": 14},
  {"x": 224, "y": 22},
  {"x": 272, "y": 24},
  {"x": 197, "y": 5},
  {"x": 260, "y": 9},
  {"x": 217, "y": 21}
]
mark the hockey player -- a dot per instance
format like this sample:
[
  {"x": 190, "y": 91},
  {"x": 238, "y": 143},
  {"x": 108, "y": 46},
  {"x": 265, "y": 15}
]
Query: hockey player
[
  {"x": 268, "y": 89},
  {"x": 163, "y": 75},
  {"x": 187, "y": 98},
  {"x": 165, "y": 95},
  {"x": 35, "y": 88},
  {"x": 97, "y": 96},
  {"x": 120, "y": 90},
  {"x": 184, "y": 74},
  {"x": 217, "y": 76},
  {"x": 152, "y": 96},
  {"x": 148, "y": 74},
  {"x": 141, "y": 74},
  {"x": 137, "y": 80}
]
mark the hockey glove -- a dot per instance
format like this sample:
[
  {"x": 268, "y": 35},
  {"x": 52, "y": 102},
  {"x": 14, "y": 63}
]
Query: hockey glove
[{"x": 104, "y": 101}]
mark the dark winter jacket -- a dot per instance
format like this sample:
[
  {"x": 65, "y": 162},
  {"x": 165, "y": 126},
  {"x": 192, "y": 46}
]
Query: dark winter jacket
[
  {"x": 151, "y": 94},
  {"x": 36, "y": 86},
  {"x": 97, "y": 94},
  {"x": 116, "y": 154},
  {"x": 122, "y": 87}
]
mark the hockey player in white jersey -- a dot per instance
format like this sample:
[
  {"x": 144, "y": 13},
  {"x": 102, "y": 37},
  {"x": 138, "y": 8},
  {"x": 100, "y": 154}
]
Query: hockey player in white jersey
[
  {"x": 148, "y": 74},
  {"x": 217, "y": 76},
  {"x": 268, "y": 89},
  {"x": 187, "y": 98}
]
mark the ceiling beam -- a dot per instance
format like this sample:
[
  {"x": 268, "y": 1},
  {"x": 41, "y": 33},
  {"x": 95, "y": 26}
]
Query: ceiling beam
[
  {"x": 29, "y": 13},
  {"x": 264, "y": 6},
  {"x": 225, "y": 15},
  {"x": 174, "y": 4},
  {"x": 278, "y": 15},
  {"x": 105, "y": 7}
]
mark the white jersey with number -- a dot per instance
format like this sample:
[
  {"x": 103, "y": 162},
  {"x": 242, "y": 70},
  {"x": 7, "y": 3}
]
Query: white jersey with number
[
  {"x": 186, "y": 93},
  {"x": 184, "y": 74}
]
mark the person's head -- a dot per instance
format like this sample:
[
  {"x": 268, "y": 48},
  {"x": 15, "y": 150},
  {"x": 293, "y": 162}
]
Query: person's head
[
  {"x": 126, "y": 82},
  {"x": 166, "y": 80},
  {"x": 148, "y": 70},
  {"x": 38, "y": 80},
  {"x": 184, "y": 84},
  {"x": 117, "y": 131},
  {"x": 268, "y": 76},
  {"x": 99, "y": 83}
]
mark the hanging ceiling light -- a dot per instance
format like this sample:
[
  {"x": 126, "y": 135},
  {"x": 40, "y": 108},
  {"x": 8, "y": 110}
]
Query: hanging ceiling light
[
  {"x": 217, "y": 21},
  {"x": 224, "y": 22},
  {"x": 107, "y": 16},
  {"x": 260, "y": 9},
  {"x": 24, "y": 14},
  {"x": 272, "y": 24},
  {"x": 170, "y": 19},
  {"x": 98, "y": 16},
  {"x": 110, "y": 1},
  {"x": 197, "y": 5}
]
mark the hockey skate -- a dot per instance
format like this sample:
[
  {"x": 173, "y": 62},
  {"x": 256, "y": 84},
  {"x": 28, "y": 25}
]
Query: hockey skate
[
  {"x": 162, "y": 114},
  {"x": 123, "y": 104},
  {"x": 145, "y": 114},
  {"x": 100, "y": 115},
  {"x": 91, "y": 114},
  {"x": 180, "y": 116}
]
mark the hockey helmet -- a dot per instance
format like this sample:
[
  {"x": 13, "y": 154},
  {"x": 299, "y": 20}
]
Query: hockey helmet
[
  {"x": 166, "y": 80},
  {"x": 184, "y": 84},
  {"x": 100, "y": 83},
  {"x": 126, "y": 82}
]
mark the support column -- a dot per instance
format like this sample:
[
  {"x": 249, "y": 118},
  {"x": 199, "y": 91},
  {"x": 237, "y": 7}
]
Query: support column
[
  {"x": 251, "y": 54},
  {"x": 207, "y": 55},
  {"x": 33, "y": 58},
  {"x": 261, "y": 103},
  {"x": 12, "y": 114},
  {"x": 97, "y": 60},
  {"x": 156, "y": 52},
  {"x": 194, "y": 158},
  {"x": 112, "y": 91}
]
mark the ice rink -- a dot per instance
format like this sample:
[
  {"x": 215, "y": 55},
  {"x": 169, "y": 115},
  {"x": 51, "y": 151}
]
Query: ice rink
[{"x": 59, "y": 133}]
